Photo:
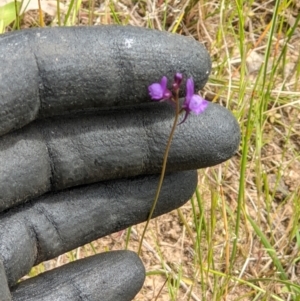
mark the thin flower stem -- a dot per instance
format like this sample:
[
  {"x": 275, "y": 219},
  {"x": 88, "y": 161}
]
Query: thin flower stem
[{"x": 163, "y": 171}]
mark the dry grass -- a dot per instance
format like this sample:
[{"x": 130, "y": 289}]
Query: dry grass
[{"x": 195, "y": 253}]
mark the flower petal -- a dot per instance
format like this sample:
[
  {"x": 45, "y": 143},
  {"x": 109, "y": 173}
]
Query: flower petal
[
  {"x": 163, "y": 83},
  {"x": 197, "y": 104},
  {"x": 155, "y": 91},
  {"x": 189, "y": 89}
]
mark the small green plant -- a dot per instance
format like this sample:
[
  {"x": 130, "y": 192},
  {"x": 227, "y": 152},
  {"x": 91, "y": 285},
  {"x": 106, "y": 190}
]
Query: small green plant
[{"x": 8, "y": 14}]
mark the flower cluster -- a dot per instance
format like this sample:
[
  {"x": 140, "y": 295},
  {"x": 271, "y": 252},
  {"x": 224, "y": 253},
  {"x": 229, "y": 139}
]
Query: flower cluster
[{"x": 193, "y": 103}]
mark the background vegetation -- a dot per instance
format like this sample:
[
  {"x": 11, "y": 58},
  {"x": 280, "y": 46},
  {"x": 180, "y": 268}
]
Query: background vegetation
[{"x": 238, "y": 238}]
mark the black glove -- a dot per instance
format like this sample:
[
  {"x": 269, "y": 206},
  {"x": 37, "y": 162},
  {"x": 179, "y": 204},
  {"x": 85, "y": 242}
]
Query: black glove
[{"x": 82, "y": 147}]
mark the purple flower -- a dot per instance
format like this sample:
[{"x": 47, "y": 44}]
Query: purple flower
[
  {"x": 193, "y": 102},
  {"x": 177, "y": 80},
  {"x": 159, "y": 91}
]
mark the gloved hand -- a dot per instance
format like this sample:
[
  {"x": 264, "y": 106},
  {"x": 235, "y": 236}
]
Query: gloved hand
[{"x": 81, "y": 150}]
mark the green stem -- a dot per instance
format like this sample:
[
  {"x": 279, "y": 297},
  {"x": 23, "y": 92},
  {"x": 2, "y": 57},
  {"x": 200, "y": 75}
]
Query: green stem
[
  {"x": 188, "y": 228},
  {"x": 58, "y": 12},
  {"x": 162, "y": 175}
]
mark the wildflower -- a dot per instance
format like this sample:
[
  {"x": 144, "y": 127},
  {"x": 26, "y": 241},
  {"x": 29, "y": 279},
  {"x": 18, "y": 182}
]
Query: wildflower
[
  {"x": 193, "y": 102},
  {"x": 159, "y": 91}
]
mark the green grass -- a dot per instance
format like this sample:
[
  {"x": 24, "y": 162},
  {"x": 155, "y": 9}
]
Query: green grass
[{"x": 238, "y": 238}]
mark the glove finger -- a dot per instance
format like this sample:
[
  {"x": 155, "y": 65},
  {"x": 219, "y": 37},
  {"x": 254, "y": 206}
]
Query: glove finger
[
  {"x": 57, "y": 153},
  {"x": 111, "y": 276},
  {"x": 54, "y": 70},
  {"x": 57, "y": 223}
]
